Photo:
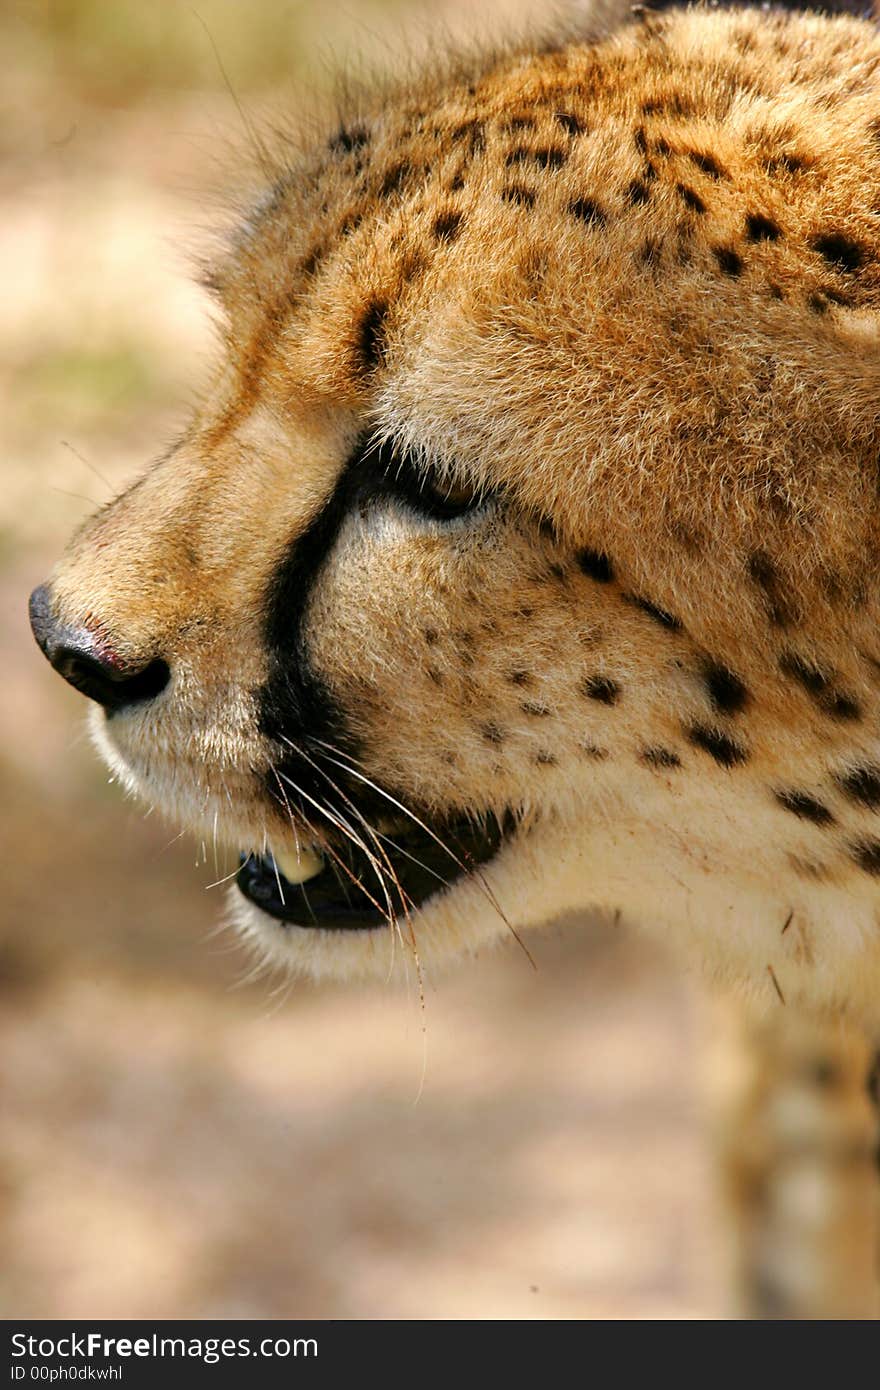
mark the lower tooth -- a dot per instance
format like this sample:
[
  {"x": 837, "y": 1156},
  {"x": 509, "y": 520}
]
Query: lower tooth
[{"x": 299, "y": 868}]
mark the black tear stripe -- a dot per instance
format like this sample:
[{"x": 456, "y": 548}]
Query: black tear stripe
[{"x": 294, "y": 703}]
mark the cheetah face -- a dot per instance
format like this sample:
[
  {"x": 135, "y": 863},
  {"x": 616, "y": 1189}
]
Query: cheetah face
[
  {"x": 355, "y": 687},
  {"x": 522, "y": 555}
]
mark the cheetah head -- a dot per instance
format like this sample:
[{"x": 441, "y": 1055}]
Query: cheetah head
[{"x": 522, "y": 555}]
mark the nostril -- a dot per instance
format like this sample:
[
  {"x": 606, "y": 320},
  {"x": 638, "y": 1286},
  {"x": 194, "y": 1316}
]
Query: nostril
[
  {"x": 108, "y": 685},
  {"x": 76, "y": 654}
]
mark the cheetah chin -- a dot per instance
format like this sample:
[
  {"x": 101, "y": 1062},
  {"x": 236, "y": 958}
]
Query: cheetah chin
[{"x": 299, "y": 914}]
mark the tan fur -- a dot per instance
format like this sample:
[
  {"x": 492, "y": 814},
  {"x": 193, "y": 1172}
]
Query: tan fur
[{"x": 631, "y": 286}]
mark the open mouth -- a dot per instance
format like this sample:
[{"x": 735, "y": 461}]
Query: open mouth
[{"x": 355, "y": 888}]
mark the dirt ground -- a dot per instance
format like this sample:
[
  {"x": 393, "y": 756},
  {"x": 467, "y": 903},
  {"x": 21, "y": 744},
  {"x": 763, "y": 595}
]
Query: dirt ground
[{"x": 178, "y": 1140}]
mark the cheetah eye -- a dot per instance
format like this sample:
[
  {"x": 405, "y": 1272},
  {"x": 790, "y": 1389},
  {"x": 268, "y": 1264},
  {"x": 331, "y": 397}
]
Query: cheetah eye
[
  {"x": 425, "y": 490},
  {"x": 443, "y": 498}
]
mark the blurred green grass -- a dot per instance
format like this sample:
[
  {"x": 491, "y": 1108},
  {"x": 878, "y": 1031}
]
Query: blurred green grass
[
  {"x": 118, "y": 51},
  {"x": 91, "y": 381}
]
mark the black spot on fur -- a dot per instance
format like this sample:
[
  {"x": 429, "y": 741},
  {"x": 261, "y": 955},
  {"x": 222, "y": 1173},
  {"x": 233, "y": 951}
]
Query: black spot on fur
[
  {"x": 311, "y": 261},
  {"x": 350, "y": 223},
  {"x": 839, "y": 251},
  {"x": 637, "y": 192},
  {"x": 660, "y": 615},
  {"x": 514, "y": 123},
  {"x": 788, "y": 163},
  {"x": 551, "y": 157},
  {"x": 763, "y": 572},
  {"x": 472, "y": 133},
  {"x": 641, "y": 140},
  {"x": 761, "y": 228},
  {"x": 590, "y": 750},
  {"x": 520, "y": 678},
  {"x": 395, "y": 178},
  {"x": 725, "y": 750},
  {"x": 516, "y": 193},
  {"x": 708, "y": 164},
  {"x": 866, "y": 854},
  {"x": 371, "y": 335},
  {"x": 545, "y": 759},
  {"x": 726, "y": 691},
  {"x": 586, "y": 210},
  {"x": 669, "y": 104},
  {"x": 447, "y": 225},
  {"x": 805, "y": 807},
  {"x": 492, "y": 733},
  {"x": 431, "y": 636},
  {"x": 570, "y": 123},
  {"x": 601, "y": 688},
  {"x": 535, "y": 711},
  {"x": 596, "y": 565},
  {"x": 690, "y": 198},
  {"x": 347, "y": 140},
  {"x": 835, "y": 703},
  {"x": 843, "y": 707},
  {"x": 862, "y": 785},
  {"x": 822, "y": 300},
  {"x": 661, "y": 757},
  {"x": 729, "y": 261},
  {"x": 814, "y": 681}
]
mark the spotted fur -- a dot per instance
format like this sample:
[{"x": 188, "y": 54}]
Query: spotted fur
[{"x": 624, "y": 294}]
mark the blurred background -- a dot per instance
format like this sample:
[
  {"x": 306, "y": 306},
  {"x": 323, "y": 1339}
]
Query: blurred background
[{"x": 179, "y": 1140}]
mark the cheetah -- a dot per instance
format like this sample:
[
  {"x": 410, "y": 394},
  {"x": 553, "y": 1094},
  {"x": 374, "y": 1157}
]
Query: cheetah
[{"x": 520, "y": 557}]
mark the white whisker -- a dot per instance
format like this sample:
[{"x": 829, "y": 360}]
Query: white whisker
[{"x": 471, "y": 868}]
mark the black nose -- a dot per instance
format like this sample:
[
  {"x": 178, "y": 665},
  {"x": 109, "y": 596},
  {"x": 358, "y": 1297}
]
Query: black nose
[{"x": 90, "y": 665}]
